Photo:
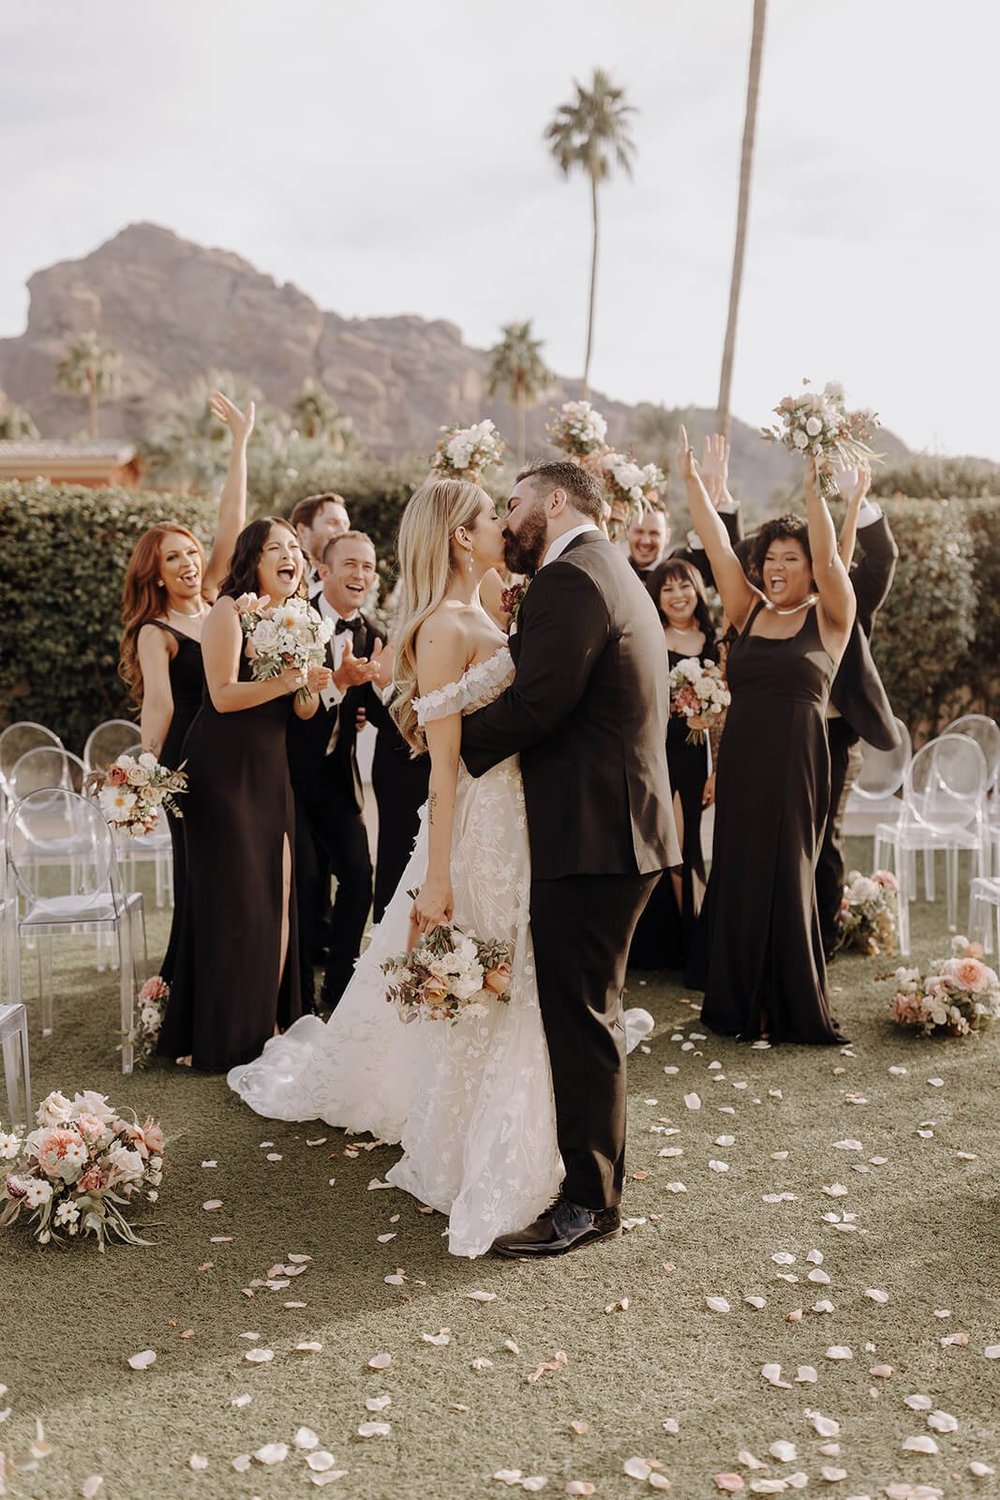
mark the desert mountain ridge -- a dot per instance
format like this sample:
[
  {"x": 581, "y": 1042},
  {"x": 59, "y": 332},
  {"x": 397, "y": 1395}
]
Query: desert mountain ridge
[{"x": 176, "y": 310}]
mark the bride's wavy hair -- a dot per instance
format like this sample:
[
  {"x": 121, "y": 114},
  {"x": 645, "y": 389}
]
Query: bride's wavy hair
[{"x": 432, "y": 516}]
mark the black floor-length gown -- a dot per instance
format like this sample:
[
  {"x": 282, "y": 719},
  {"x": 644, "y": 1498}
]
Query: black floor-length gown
[
  {"x": 761, "y": 953},
  {"x": 663, "y": 936},
  {"x": 227, "y": 993},
  {"x": 187, "y": 688}
]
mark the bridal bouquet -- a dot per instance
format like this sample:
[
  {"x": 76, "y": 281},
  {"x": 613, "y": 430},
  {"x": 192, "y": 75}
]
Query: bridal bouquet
[
  {"x": 78, "y": 1172},
  {"x": 466, "y": 452},
  {"x": 277, "y": 636},
  {"x": 698, "y": 693},
  {"x": 132, "y": 789},
  {"x": 577, "y": 429},
  {"x": 867, "y": 917},
  {"x": 957, "y": 994},
  {"x": 449, "y": 973},
  {"x": 819, "y": 425}
]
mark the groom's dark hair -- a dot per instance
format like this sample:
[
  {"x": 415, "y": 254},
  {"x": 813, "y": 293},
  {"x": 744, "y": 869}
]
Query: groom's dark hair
[{"x": 559, "y": 474}]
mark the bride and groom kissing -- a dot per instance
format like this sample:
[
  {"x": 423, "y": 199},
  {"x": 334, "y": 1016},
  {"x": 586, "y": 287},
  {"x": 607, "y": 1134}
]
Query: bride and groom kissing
[{"x": 548, "y": 823}]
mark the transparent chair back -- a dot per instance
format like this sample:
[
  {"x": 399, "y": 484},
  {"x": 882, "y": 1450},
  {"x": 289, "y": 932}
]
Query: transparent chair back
[
  {"x": 16, "y": 740},
  {"x": 48, "y": 767},
  {"x": 986, "y": 733},
  {"x": 883, "y": 771},
  {"x": 41, "y": 826},
  {"x": 945, "y": 785},
  {"x": 107, "y": 742}
]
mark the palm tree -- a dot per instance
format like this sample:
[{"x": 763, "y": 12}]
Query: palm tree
[
  {"x": 724, "y": 420},
  {"x": 592, "y": 133},
  {"x": 89, "y": 367},
  {"x": 316, "y": 415},
  {"x": 517, "y": 368}
]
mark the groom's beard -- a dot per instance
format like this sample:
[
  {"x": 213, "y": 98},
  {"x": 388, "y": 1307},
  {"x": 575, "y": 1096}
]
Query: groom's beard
[{"x": 523, "y": 553}]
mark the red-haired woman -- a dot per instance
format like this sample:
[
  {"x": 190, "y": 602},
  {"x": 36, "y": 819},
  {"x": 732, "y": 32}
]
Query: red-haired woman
[{"x": 169, "y": 588}]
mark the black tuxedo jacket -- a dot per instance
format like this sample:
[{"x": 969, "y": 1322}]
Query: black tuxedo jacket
[
  {"x": 857, "y": 692},
  {"x": 313, "y": 772},
  {"x": 732, "y": 520},
  {"x": 587, "y": 712}
]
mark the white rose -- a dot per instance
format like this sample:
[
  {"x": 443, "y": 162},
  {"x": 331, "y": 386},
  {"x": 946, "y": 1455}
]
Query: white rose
[
  {"x": 814, "y": 427},
  {"x": 55, "y": 1109},
  {"x": 799, "y": 439},
  {"x": 468, "y": 984},
  {"x": 148, "y": 759},
  {"x": 92, "y": 1103},
  {"x": 125, "y": 1166},
  {"x": 138, "y": 776},
  {"x": 265, "y": 637},
  {"x": 862, "y": 889},
  {"x": 126, "y": 762}
]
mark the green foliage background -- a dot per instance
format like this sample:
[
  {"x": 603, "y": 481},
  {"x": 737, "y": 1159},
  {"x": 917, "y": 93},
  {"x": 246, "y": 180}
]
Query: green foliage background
[{"x": 63, "y": 553}]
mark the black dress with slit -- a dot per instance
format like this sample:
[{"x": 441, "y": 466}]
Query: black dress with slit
[
  {"x": 760, "y": 953},
  {"x": 187, "y": 688},
  {"x": 228, "y": 992},
  {"x": 663, "y": 936}
]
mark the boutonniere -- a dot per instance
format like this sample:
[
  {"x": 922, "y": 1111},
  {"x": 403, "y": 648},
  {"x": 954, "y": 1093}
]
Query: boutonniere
[{"x": 511, "y": 600}]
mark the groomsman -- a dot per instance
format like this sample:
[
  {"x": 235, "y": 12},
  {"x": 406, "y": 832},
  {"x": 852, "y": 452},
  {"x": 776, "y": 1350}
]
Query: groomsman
[
  {"x": 648, "y": 538},
  {"x": 330, "y": 833},
  {"x": 317, "y": 520}
]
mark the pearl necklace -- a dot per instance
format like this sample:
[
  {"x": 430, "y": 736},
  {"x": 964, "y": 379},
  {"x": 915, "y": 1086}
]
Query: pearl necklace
[
  {"x": 806, "y": 603},
  {"x": 186, "y": 614}
]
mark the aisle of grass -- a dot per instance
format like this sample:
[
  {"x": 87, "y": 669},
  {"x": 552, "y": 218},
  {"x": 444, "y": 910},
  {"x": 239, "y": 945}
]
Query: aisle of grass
[{"x": 924, "y": 1229}]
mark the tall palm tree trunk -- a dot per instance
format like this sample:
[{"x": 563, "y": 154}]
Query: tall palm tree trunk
[
  {"x": 92, "y": 384},
  {"x": 521, "y": 440},
  {"x": 724, "y": 417},
  {"x": 593, "y": 291}
]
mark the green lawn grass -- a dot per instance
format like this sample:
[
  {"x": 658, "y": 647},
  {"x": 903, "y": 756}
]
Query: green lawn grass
[{"x": 927, "y": 1232}]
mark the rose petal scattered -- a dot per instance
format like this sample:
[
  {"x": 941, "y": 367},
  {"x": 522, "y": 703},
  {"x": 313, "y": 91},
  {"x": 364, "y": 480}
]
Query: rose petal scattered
[
  {"x": 942, "y": 1421},
  {"x": 876, "y": 1295},
  {"x": 839, "y": 1351},
  {"x": 731, "y": 1484},
  {"x": 783, "y": 1451},
  {"x": 93, "y": 1482},
  {"x": 637, "y": 1468},
  {"x": 198, "y": 1462},
  {"x": 718, "y": 1304},
  {"x": 212, "y": 1205},
  {"x": 320, "y": 1462},
  {"x": 919, "y": 1444},
  {"x": 692, "y": 1101},
  {"x": 481, "y": 1296},
  {"x": 806, "y": 1375},
  {"x": 272, "y": 1453},
  {"x": 259, "y": 1356},
  {"x": 374, "y": 1429}
]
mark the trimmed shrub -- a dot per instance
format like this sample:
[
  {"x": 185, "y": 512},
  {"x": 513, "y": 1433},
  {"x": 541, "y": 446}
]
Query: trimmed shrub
[{"x": 63, "y": 553}]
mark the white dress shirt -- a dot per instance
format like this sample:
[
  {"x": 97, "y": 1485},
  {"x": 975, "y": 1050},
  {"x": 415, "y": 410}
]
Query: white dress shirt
[
  {"x": 332, "y": 695},
  {"x": 558, "y": 547}
]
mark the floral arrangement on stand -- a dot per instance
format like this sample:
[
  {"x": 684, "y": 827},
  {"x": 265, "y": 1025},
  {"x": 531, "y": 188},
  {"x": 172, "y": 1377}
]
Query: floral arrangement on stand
[
  {"x": 80, "y": 1170},
  {"x": 699, "y": 694},
  {"x": 132, "y": 789},
  {"x": 448, "y": 974},
  {"x": 467, "y": 452},
  {"x": 819, "y": 424},
  {"x": 955, "y": 996},
  {"x": 279, "y": 636},
  {"x": 867, "y": 917},
  {"x": 578, "y": 430}
]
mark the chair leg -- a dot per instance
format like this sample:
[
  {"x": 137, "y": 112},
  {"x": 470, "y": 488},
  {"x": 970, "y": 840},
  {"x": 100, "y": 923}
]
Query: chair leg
[
  {"x": 929, "y": 892},
  {"x": 16, "y": 1078},
  {"x": 45, "y": 980},
  {"x": 903, "y": 871},
  {"x": 951, "y": 887},
  {"x": 126, "y": 964}
]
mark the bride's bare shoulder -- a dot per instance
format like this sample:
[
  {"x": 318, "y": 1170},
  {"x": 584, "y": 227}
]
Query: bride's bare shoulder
[{"x": 442, "y": 646}]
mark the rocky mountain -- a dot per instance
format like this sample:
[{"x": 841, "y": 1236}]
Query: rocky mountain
[{"x": 176, "y": 310}]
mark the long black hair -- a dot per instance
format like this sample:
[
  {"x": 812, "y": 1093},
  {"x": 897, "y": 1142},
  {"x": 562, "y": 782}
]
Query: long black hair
[
  {"x": 679, "y": 567},
  {"x": 247, "y": 553}
]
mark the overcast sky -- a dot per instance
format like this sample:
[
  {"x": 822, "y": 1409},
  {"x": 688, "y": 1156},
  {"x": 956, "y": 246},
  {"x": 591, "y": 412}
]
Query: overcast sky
[{"x": 387, "y": 157}]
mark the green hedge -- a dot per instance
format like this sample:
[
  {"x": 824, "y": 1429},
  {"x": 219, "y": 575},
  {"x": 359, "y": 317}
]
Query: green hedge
[{"x": 63, "y": 552}]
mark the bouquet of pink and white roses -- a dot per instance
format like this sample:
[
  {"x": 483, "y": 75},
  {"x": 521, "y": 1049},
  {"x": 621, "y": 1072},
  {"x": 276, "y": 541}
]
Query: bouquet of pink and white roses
[
  {"x": 867, "y": 917},
  {"x": 449, "y": 973},
  {"x": 818, "y": 425},
  {"x": 279, "y": 636},
  {"x": 133, "y": 788},
  {"x": 957, "y": 994},
  {"x": 467, "y": 452},
  {"x": 698, "y": 693},
  {"x": 78, "y": 1172},
  {"x": 145, "y": 1032},
  {"x": 630, "y": 487},
  {"x": 578, "y": 430}
]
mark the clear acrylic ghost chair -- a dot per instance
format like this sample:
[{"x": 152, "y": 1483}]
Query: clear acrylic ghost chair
[
  {"x": 47, "y": 767},
  {"x": 43, "y": 899},
  {"x": 941, "y": 810},
  {"x": 154, "y": 849},
  {"x": 874, "y": 795},
  {"x": 986, "y": 733},
  {"x": 16, "y": 740},
  {"x": 16, "y": 1067},
  {"x": 107, "y": 742},
  {"x": 984, "y": 913}
]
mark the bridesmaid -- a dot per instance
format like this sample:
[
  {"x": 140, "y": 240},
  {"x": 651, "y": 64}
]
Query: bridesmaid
[
  {"x": 764, "y": 974},
  {"x": 169, "y": 588},
  {"x": 232, "y": 985}
]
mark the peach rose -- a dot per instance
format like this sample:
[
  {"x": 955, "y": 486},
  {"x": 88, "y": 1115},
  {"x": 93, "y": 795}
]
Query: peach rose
[
  {"x": 90, "y": 1127},
  {"x": 94, "y": 1180},
  {"x": 152, "y": 1134},
  {"x": 498, "y": 980},
  {"x": 117, "y": 776},
  {"x": 968, "y": 974},
  {"x": 434, "y": 990}
]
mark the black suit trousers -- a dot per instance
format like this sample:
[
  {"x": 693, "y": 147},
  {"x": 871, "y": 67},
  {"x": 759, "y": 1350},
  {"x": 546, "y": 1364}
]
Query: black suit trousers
[
  {"x": 845, "y": 760},
  {"x": 581, "y": 928},
  {"x": 330, "y": 835}
]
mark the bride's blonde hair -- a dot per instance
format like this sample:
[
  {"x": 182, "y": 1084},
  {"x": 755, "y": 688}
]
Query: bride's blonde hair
[{"x": 432, "y": 516}]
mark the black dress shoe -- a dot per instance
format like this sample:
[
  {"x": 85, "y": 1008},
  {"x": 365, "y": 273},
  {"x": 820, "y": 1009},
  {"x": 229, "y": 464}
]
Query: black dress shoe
[{"x": 565, "y": 1226}]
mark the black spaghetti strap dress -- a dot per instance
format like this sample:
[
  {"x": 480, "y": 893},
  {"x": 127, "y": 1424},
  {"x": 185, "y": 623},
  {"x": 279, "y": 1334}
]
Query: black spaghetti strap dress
[
  {"x": 187, "y": 688},
  {"x": 761, "y": 949},
  {"x": 228, "y": 992}
]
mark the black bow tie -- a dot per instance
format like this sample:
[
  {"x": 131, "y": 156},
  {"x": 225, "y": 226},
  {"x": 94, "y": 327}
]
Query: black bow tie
[{"x": 354, "y": 625}]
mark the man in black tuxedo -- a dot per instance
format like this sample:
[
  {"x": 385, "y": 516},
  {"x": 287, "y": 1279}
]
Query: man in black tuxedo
[
  {"x": 587, "y": 712},
  {"x": 330, "y": 833}
]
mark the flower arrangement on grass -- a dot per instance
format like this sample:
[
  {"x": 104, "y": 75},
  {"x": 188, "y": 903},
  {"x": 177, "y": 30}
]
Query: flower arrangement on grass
[
  {"x": 132, "y": 789},
  {"x": 448, "y": 974},
  {"x": 818, "y": 424},
  {"x": 867, "y": 917},
  {"x": 955, "y": 996},
  {"x": 698, "y": 693},
  {"x": 467, "y": 452},
  {"x": 80, "y": 1170}
]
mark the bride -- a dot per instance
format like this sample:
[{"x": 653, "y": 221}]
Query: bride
[{"x": 470, "y": 1101}]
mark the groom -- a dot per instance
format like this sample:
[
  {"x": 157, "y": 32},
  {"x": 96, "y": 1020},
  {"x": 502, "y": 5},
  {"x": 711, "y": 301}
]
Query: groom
[{"x": 587, "y": 712}]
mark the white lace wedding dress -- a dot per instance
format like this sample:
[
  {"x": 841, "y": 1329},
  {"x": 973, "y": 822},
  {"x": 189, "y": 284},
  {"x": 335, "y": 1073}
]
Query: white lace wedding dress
[{"x": 471, "y": 1102}]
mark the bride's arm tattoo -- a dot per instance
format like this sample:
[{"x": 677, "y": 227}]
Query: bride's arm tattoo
[{"x": 432, "y": 805}]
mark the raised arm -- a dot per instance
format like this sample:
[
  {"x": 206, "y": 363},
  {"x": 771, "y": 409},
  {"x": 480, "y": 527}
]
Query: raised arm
[
  {"x": 441, "y": 659},
  {"x": 836, "y": 597},
  {"x": 233, "y": 500},
  {"x": 563, "y": 627},
  {"x": 853, "y": 484},
  {"x": 221, "y": 644},
  {"x": 735, "y": 590}
]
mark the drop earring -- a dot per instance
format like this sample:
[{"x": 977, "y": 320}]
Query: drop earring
[{"x": 470, "y": 559}]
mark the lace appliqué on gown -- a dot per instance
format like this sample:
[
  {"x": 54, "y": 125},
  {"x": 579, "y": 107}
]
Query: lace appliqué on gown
[{"x": 471, "y": 1102}]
